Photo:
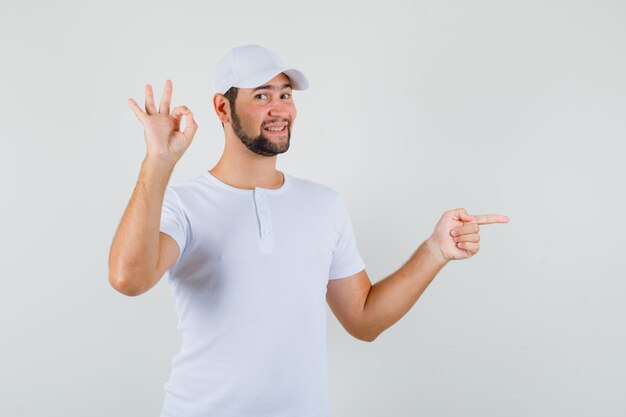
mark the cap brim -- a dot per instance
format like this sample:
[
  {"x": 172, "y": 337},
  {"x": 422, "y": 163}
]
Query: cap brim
[{"x": 297, "y": 78}]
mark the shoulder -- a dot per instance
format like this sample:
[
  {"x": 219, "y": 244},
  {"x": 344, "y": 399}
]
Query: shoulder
[
  {"x": 187, "y": 187},
  {"x": 187, "y": 194},
  {"x": 313, "y": 196},
  {"x": 312, "y": 188}
]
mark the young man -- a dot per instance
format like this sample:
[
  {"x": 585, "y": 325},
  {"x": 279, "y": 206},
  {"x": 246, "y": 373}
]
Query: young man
[{"x": 253, "y": 254}]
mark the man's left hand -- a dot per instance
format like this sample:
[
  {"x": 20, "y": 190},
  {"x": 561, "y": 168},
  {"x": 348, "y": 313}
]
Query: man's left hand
[{"x": 456, "y": 235}]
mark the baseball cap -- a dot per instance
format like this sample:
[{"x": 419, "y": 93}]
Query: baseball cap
[{"x": 249, "y": 66}]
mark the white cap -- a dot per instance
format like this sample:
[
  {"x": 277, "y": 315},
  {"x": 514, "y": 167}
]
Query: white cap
[{"x": 250, "y": 66}]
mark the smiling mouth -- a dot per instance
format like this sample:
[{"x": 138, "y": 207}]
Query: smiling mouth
[{"x": 276, "y": 130}]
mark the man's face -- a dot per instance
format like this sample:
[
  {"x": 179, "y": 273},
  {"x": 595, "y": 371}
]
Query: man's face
[{"x": 264, "y": 115}]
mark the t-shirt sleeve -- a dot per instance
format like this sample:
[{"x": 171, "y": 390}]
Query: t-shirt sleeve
[
  {"x": 346, "y": 259},
  {"x": 173, "y": 220}
]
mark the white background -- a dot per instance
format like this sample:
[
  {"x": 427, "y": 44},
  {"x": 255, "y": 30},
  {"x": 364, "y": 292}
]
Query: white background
[{"x": 415, "y": 108}]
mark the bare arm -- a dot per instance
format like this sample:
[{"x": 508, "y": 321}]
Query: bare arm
[
  {"x": 140, "y": 254},
  {"x": 455, "y": 237},
  {"x": 390, "y": 299},
  {"x": 366, "y": 310},
  {"x": 134, "y": 255}
]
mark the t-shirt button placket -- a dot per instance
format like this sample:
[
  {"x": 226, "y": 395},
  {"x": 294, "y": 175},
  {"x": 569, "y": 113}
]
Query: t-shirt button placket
[
  {"x": 262, "y": 212},
  {"x": 265, "y": 224}
]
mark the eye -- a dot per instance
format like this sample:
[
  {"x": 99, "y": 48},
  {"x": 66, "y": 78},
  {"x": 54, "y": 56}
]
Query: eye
[
  {"x": 260, "y": 96},
  {"x": 286, "y": 95}
]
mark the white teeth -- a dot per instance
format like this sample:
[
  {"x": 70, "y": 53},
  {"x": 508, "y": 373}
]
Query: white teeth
[{"x": 274, "y": 129}]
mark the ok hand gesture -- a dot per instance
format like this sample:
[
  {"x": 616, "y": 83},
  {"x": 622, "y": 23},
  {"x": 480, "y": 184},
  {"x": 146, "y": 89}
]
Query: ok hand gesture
[
  {"x": 456, "y": 234},
  {"x": 164, "y": 140}
]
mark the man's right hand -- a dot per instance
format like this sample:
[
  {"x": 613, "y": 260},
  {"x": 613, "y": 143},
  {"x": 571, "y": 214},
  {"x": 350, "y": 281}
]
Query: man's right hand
[{"x": 164, "y": 140}]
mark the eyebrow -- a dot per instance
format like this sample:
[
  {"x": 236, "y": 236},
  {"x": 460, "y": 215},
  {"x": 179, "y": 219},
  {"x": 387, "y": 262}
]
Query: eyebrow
[{"x": 271, "y": 87}]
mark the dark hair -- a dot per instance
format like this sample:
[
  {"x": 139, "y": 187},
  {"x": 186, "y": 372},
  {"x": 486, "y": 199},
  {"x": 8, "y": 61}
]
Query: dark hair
[{"x": 231, "y": 96}]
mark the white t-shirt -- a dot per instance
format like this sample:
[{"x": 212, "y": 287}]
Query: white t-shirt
[{"x": 250, "y": 291}]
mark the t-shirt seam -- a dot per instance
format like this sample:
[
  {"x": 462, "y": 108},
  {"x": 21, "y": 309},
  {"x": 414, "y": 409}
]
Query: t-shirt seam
[
  {"x": 222, "y": 185},
  {"x": 183, "y": 225}
]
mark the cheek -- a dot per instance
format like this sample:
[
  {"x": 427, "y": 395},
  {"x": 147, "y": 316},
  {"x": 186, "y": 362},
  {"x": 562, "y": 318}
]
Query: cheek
[{"x": 251, "y": 120}]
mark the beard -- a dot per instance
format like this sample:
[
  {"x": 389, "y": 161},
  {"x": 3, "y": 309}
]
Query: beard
[{"x": 261, "y": 144}]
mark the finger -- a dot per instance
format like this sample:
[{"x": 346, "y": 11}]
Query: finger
[
  {"x": 464, "y": 230},
  {"x": 469, "y": 246},
  {"x": 150, "y": 109},
  {"x": 474, "y": 237},
  {"x": 164, "y": 107},
  {"x": 490, "y": 218},
  {"x": 461, "y": 215},
  {"x": 190, "y": 127},
  {"x": 179, "y": 112},
  {"x": 138, "y": 112}
]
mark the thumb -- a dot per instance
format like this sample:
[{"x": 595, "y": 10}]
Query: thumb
[
  {"x": 190, "y": 126},
  {"x": 464, "y": 216}
]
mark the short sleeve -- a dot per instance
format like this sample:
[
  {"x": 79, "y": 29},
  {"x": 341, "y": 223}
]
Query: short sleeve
[
  {"x": 173, "y": 220},
  {"x": 346, "y": 259}
]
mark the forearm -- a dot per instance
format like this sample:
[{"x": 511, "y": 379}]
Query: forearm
[
  {"x": 135, "y": 249},
  {"x": 390, "y": 299}
]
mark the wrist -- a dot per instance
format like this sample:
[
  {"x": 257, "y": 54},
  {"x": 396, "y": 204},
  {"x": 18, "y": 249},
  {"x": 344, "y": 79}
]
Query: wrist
[
  {"x": 434, "y": 251},
  {"x": 153, "y": 163}
]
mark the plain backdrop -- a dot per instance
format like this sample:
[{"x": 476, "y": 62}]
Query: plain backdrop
[{"x": 415, "y": 108}]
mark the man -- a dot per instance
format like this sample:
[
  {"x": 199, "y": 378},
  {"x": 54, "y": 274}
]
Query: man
[{"x": 254, "y": 254}]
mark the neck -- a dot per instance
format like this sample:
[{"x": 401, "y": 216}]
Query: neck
[{"x": 242, "y": 168}]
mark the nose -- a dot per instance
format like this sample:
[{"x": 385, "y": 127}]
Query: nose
[{"x": 279, "y": 109}]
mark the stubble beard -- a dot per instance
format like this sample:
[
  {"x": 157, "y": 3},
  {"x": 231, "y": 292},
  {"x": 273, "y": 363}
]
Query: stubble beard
[{"x": 261, "y": 144}]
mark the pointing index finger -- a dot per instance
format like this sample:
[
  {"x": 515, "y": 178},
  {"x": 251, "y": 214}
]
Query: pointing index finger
[{"x": 490, "y": 218}]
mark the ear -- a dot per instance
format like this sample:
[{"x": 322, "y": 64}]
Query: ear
[{"x": 222, "y": 108}]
